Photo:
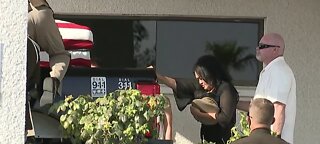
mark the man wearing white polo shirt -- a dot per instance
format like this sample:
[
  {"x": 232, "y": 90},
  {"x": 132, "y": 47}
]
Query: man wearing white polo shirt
[{"x": 277, "y": 84}]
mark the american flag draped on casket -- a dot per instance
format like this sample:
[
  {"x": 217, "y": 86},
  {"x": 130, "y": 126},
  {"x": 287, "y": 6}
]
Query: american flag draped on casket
[{"x": 78, "y": 41}]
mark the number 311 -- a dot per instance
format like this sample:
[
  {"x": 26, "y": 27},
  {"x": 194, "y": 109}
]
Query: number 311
[{"x": 124, "y": 85}]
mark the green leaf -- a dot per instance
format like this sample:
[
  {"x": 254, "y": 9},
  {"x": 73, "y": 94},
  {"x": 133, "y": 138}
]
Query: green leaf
[
  {"x": 62, "y": 118},
  {"x": 146, "y": 115},
  {"x": 63, "y": 108},
  {"x": 70, "y": 119},
  {"x": 66, "y": 124},
  {"x": 119, "y": 117}
]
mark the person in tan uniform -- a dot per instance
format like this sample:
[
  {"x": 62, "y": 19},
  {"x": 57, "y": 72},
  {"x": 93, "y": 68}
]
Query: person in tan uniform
[{"x": 44, "y": 31}]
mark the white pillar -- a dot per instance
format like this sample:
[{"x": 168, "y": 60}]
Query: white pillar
[{"x": 13, "y": 35}]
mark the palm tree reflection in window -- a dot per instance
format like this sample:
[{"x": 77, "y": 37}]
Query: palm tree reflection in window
[
  {"x": 232, "y": 56},
  {"x": 142, "y": 57}
]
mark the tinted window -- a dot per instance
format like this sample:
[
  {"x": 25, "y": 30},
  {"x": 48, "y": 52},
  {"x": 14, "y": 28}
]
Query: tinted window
[{"x": 174, "y": 45}]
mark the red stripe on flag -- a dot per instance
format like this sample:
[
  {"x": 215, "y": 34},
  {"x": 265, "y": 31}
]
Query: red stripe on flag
[
  {"x": 72, "y": 26},
  {"x": 44, "y": 64},
  {"x": 71, "y": 44},
  {"x": 80, "y": 62}
]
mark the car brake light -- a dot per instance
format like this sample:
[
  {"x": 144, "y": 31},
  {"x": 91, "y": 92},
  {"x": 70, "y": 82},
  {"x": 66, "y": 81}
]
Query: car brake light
[{"x": 148, "y": 88}]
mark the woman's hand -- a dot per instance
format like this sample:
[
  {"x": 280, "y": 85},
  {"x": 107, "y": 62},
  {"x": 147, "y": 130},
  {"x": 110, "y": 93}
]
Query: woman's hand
[{"x": 170, "y": 82}]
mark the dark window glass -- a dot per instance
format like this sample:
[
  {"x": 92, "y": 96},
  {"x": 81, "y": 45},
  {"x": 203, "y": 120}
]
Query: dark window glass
[{"x": 174, "y": 45}]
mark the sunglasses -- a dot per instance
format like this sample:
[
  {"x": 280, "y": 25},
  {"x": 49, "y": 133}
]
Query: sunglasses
[{"x": 263, "y": 46}]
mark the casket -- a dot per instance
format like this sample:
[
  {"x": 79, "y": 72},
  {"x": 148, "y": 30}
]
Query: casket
[
  {"x": 78, "y": 59},
  {"x": 78, "y": 41},
  {"x": 75, "y": 36}
]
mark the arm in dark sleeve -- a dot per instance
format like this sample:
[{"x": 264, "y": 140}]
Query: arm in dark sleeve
[
  {"x": 184, "y": 93},
  {"x": 228, "y": 103}
]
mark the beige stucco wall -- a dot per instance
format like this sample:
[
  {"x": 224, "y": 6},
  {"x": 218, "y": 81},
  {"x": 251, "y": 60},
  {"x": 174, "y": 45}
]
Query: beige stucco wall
[
  {"x": 298, "y": 21},
  {"x": 13, "y": 34}
]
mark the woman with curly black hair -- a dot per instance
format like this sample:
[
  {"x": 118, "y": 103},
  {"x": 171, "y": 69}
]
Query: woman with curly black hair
[{"x": 212, "y": 96}]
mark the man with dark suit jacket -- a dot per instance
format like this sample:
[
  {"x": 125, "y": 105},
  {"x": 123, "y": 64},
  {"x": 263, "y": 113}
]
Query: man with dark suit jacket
[{"x": 260, "y": 119}]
